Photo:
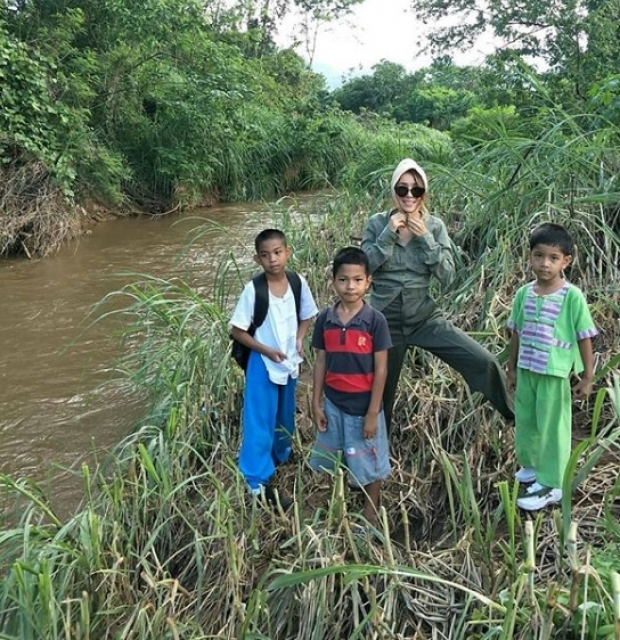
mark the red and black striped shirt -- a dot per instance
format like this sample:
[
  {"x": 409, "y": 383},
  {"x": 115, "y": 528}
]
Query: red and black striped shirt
[{"x": 350, "y": 355}]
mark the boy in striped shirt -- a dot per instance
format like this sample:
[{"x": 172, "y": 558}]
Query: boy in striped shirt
[{"x": 351, "y": 340}]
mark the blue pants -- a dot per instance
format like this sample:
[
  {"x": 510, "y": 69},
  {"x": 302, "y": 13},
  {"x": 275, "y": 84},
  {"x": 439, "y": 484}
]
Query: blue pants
[{"x": 268, "y": 423}]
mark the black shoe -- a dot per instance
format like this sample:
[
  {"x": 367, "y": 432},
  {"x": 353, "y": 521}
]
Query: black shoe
[
  {"x": 273, "y": 500},
  {"x": 292, "y": 460}
]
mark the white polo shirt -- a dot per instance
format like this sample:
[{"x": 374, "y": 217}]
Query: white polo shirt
[{"x": 279, "y": 330}]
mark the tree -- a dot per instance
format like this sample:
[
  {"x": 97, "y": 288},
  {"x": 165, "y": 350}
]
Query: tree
[
  {"x": 435, "y": 95},
  {"x": 437, "y": 106},
  {"x": 316, "y": 13},
  {"x": 576, "y": 39},
  {"x": 262, "y": 18},
  {"x": 377, "y": 92}
]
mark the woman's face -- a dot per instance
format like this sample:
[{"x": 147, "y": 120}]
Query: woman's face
[{"x": 409, "y": 203}]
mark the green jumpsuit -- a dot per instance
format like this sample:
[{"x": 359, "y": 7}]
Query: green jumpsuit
[{"x": 401, "y": 280}]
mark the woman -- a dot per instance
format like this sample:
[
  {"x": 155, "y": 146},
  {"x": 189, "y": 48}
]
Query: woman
[{"x": 405, "y": 247}]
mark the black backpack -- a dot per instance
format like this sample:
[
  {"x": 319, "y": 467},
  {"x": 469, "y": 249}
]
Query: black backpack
[{"x": 240, "y": 352}]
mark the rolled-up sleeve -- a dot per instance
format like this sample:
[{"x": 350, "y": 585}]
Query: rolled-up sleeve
[
  {"x": 439, "y": 255},
  {"x": 378, "y": 241}
]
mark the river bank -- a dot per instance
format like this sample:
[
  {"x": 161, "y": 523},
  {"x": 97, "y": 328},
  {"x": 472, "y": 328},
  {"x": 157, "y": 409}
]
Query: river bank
[
  {"x": 165, "y": 543},
  {"x": 58, "y": 408},
  {"x": 38, "y": 219}
]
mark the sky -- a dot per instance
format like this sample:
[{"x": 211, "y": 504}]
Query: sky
[{"x": 376, "y": 30}]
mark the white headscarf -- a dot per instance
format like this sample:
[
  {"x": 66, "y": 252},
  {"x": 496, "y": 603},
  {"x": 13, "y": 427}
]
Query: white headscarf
[{"x": 408, "y": 165}]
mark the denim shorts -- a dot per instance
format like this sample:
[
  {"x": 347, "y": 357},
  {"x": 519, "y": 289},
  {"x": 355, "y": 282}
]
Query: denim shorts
[{"x": 343, "y": 444}]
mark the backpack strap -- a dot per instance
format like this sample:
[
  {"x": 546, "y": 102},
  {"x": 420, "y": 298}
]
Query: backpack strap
[
  {"x": 261, "y": 299},
  {"x": 295, "y": 281}
]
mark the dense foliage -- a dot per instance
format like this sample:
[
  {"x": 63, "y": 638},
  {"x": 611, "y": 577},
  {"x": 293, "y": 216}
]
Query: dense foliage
[
  {"x": 566, "y": 48},
  {"x": 166, "y": 102},
  {"x": 169, "y": 103},
  {"x": 163, "y": 103}
]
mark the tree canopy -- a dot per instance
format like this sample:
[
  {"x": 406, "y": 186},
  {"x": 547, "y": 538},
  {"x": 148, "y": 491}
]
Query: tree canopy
[{"x": 575, "y": 38}]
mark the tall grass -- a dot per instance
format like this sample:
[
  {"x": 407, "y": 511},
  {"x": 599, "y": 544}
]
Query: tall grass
[{"x": 167, "y": 544}]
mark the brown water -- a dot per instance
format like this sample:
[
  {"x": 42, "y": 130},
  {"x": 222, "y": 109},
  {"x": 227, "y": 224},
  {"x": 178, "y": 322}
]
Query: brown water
[{"x": 55, "y": 410}]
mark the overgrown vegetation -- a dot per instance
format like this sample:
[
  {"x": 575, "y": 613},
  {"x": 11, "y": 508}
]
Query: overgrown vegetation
[
  {"x": 154, "y": 106},
  {"x": 166, "y": 544},
  {"x": 163, "y": 108},
  {"x": 171, "y": 103}
]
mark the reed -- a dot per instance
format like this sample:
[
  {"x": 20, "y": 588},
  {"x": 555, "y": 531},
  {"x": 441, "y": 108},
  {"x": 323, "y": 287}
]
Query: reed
[{"x": 167, "y": 543}]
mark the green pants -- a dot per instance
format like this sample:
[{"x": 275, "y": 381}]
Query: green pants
[
  {"x": 415, "y": 321},
  {"x": 543, "y": 425}
]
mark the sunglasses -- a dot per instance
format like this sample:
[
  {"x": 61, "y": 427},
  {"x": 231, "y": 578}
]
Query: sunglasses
[{"x": 402, "y": 190}]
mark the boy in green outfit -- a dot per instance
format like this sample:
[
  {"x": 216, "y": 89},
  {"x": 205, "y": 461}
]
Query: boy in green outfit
[{"x": 552, "y": 332}]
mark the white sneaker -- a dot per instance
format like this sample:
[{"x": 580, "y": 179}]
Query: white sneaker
[
  {"x": 540, "y": 499},
  {"x": 534, "y": 488},
  {"x": 525, "y": 475}
]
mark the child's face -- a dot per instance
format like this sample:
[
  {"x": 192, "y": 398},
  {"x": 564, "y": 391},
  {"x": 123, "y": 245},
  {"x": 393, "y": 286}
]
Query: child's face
[
  {"x": 351, "y": 282},
  {"x": 272, "y": 256},
  {"x": 548, "y": 263}
]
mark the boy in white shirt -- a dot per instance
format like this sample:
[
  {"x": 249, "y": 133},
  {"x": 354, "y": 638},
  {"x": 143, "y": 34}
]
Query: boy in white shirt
[{"x": 273, "y": 367}]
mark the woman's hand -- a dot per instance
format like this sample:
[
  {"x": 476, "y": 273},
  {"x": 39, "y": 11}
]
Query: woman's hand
[
  {"x": 416, "y": 226},
  {"x": 397, "y": 221}
]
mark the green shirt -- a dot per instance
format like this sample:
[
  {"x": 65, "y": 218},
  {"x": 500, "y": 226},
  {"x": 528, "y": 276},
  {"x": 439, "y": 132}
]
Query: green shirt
[
  {"x": 396, "y": 268},
  {"x": 550, "y": 328}
]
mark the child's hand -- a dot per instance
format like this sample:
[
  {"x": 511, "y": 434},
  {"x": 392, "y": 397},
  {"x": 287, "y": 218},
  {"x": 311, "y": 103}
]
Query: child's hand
[
  {"x": 370, "y": 426},
  {"x": 320, "y": 420},
  {"x": 583, "y": 388},
  {"x": 299, "y": 345},
  {"x": 511, "y": 380},
  {"x": 276, "y": 355}
]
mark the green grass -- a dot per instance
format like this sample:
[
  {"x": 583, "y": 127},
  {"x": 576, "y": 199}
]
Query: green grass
[{"x": 167, "y": 545}]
